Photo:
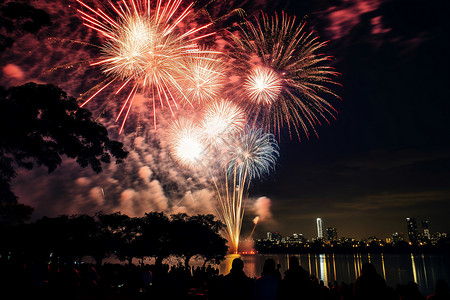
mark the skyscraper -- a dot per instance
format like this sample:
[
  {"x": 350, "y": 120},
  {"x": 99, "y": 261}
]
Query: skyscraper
[
  {"x": 331, "y": 234},
  {"x": 411, "y": 225},
  {"x": 319, "y": 228},
  {"x": 274, "y": 236},
  {"x": 426, "y": 230}
]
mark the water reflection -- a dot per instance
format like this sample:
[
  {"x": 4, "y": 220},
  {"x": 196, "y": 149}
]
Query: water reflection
[
  {"x": 225, "y": 267},
  {"x": 323, "y": 268},
  {"x": 413, "y": 268},
  {"x": 395, "y": 268}
]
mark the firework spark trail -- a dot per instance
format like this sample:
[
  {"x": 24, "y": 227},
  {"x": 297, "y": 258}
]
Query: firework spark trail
[
  {"x": 253, "y": 154},
  {"x": 185, "y": 143},
  {"x": 206, "y": 78},
  {"x": 147, "y": 50},
  {"x": 263, "y": 86},
  {"x": 285, "y": 77},
  {"x": 255, "y": 221},
  {"x": 144, "y": 48},
  {"x": 248, "y": 154},
  {"x": 221, "y": 120}
]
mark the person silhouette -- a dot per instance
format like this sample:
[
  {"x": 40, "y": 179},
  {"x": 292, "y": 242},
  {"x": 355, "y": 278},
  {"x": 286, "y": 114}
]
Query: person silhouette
[
  {"x": 235, "y": 285},
  {"x": 266, "y": 286},
  {"x": 441, "y": 291},
  {"x": 237, "y": 270},
  {"x": 370, "y": 285},
  {"x": 296, "y": 281}
]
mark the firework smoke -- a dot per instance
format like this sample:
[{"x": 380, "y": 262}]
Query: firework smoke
[{"x": 261, "y": 207}]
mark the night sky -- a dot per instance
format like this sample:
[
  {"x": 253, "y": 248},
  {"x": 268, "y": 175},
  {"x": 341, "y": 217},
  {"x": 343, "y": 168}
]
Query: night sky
[{"x": 385, "y": 157}]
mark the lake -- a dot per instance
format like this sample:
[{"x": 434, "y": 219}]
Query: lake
[{"x": 424, "y": 269}]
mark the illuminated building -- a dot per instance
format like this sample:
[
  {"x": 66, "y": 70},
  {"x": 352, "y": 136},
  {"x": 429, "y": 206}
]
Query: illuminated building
[
  {"x": 397, "y": 237},
  {"x": 426, "y": 230},
  {"x": 411, "y": 225},
  {"x": 331, "y": 234},
  {"x": 274, "y": 236},
  {"x": 319, "y": 229}
]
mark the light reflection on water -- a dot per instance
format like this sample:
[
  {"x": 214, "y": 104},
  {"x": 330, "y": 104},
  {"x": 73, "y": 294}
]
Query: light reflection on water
[{"x": 425, "y": 269}]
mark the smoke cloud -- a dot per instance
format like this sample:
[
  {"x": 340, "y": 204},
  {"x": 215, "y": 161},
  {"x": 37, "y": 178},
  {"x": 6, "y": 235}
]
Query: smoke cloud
[{"x": 262, "y": 209}]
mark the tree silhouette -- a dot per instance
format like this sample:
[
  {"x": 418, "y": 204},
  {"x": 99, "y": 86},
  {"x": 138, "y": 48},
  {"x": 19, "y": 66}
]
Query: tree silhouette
[
  {"x": 198, "y": 235},
  {"x": 124, "y": 232},
  {"x": 40, "y": 123},
  {"x": 156, "y": 239},
  {"x": 64, "y": 238},
  {"x": 212, "y": 246}
]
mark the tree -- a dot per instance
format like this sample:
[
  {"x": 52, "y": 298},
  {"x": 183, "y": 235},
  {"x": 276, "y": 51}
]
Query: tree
[
  {"x": 117, "y": 234},
  {"x": 62, "y": 238},
  {"x": 40, "y": 123},
  {"x": 213, "y": 246},
  {"x": 198, "y": 235},
  {"x": 156, "y": 239}
]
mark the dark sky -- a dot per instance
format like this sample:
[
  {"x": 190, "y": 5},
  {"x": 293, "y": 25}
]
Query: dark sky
[{"x": 386, "y": 156}]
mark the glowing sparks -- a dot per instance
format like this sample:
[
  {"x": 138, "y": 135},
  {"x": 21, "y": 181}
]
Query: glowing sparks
[
  {"x": 255, "y": 221},
  {"x": 149, "y": 50},
  {"x": 205, "y": 80},
  {"x": 287, "y": 82},
  {"x": 146, "y": 47},
  {"x": 221, "y": 120},
  {"x": 263, "y": 86},
  {"x": 253, "y": 155},
  {"x": 185, "y": 143}
]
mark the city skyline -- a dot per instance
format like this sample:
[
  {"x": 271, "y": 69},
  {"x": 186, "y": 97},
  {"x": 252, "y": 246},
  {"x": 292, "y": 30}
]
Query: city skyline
[{"x": 411, "y": 232}]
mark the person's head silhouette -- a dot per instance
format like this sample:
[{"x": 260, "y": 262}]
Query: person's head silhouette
[
  {"x": 293, "y": 262},
  {"x": 237, "y": 265},
  {"x": 269, "y": 266},
  {"x": 368, "y": 269}
]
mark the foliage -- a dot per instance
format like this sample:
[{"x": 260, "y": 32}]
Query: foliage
[
  {"x": 40, "y": 123},
  {"x": 68, "y": 238}
]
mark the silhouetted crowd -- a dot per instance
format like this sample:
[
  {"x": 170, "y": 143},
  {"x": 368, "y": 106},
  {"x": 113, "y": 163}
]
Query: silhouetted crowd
[
  {"x": 299, "y": 284},
  {"x": 115, "y": 281}
]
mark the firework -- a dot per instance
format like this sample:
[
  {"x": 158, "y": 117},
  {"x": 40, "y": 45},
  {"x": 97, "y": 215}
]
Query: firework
[
  {"x": 145, "y": 48},
  {"x": 285, "y": 77},
  {"x": 253, "y": 154},
  {"x": 221, "y": 120},
  {"x": 255, "y": 221},
  {"x": 185, "y": 144},
  {"x": 263, "y": 86},
  {"x": 205, "y": 79}
]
